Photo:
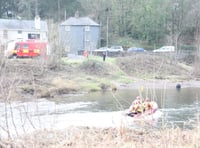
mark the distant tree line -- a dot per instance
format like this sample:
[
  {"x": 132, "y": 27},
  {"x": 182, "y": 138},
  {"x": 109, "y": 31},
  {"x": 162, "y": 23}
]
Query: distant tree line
[{"x": 155, "y": 22}]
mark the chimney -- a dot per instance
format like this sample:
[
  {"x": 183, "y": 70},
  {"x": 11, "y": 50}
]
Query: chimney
[
  {"x": 76, "y": 14},
  {"x": 37, "y": 22}
]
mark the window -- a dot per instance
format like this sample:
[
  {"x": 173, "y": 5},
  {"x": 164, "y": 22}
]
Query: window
[
  {"x": 5, "y": 34},
  {"x": 19, "y": 35},
  {"x": 87, "y": 28},
  {"x": 67, "y": 28},
  {"x": 17, "y": 46},
  {"x": 87, "y": 37},
  {"x": 33, "y": 36}
]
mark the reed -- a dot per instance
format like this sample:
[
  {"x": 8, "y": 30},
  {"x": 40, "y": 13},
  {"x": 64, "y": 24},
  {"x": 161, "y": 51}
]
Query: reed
[{"x": 109, "y": 137}]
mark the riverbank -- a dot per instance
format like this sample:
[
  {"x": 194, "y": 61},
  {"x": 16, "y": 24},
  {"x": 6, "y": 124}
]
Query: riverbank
[
  {"x": 24, "y": 79},
  {"x": 162, "y": 84},
  {"x": 51, "y": 78},
  {"x": 77, "y": 137}
]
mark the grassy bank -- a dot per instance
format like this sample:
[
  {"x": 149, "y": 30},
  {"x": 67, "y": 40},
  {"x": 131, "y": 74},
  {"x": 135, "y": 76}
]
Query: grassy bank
[
  {"x": 109, "y": 137},
  {"x": 54, "y": 77}
]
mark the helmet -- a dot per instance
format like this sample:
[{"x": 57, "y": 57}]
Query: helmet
[
  {"x": 138, "y": 102},
  {"x": 147, "y": 99},
  {"x": 138, "y": 97}
]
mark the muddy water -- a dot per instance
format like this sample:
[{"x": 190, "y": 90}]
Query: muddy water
[{"x": 103, "y": 109}]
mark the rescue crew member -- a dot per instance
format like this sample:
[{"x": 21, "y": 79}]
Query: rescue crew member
[
  {"x": 136, "y": 106},
  {"x": 154, "y": 107},
  {"x": 137, "y": 100},
  {"x": 150, "y": 106},
  {"x": 85, "y": 53}
]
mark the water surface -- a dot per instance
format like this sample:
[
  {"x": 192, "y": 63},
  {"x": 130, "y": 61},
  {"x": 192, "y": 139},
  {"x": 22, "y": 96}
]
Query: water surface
[{"x": 102, "y": 109}]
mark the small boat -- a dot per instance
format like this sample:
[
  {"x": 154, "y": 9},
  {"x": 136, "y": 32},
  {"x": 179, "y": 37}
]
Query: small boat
[
  {"x": 152, "y": 114},
  {"x": 143, "y": 116}
]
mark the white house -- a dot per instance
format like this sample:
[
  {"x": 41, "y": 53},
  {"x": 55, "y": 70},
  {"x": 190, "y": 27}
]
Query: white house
[{"x": 14, "y": 29}]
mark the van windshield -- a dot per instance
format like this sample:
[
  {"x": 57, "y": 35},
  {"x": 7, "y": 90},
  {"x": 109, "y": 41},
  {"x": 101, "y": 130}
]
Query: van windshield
[{"x": 17, "y": 46}]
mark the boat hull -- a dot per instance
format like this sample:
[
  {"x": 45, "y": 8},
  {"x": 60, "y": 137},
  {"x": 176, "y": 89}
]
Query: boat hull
[{"x": 144, "y": 116}]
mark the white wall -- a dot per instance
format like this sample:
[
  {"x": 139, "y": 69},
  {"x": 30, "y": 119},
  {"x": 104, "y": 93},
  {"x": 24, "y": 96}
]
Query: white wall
[{"x": 13, "y": 35}]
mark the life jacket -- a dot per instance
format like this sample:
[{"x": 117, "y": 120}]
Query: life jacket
[
  {"x": 133, "y": 108},
  {"x": 139, "y": 109},
  {"x": 148, "y": 105}
]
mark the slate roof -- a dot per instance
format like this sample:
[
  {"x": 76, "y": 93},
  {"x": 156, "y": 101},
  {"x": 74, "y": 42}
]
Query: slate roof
[
  {"x": 13, "y": 24},
  {"x": 79, "y": 21}
]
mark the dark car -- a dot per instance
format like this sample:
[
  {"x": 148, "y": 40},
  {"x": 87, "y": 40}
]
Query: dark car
[{"x": 135, "y": 49}]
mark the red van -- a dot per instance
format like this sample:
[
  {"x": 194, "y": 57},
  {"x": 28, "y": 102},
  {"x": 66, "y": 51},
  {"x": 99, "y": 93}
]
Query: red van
[{"x": 30, "y": 48}]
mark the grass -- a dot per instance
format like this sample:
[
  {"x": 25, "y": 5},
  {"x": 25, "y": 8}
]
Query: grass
[
  {"x": 104, "y": 72},
  {"x": 126, "y": 80},
  {"x": 90, "y": 83},
  {"x": 91, "y": 86},
  {"x": 73, "y": 61},
  {"x": 109, "y": 137},
  {"x": 90, "y": 57}
]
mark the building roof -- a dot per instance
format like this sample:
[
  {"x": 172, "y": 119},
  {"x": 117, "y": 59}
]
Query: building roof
[
  {"x": 79, "y": 21},
  {"x": 14, "y": 24}
]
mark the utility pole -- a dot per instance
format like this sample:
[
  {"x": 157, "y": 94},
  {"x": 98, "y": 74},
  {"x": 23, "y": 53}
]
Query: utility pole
[
  {"x": 107, "y": 25},
  {"x": 106, "y": 31},
  {"x": 58, "y": 10},
  {"x": 36, "y": 7}
]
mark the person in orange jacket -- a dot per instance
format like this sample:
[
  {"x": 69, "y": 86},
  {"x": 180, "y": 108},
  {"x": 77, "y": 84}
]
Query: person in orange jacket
[{"x": 136, "y": 107}]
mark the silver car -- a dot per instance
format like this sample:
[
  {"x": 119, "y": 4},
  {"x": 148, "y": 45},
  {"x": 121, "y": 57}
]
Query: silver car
[
  {"x": 116, "y": 49},
  {"x": 165, "y": 49}
]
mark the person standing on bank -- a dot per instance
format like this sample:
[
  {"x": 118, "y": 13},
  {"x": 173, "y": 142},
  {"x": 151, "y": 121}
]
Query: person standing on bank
[
  {"x": 85, "y": 53},
  {"x": 104, "y": 56}
]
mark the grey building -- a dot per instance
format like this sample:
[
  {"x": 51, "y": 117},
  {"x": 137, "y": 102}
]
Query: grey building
[{"x": 77, "y": 34}]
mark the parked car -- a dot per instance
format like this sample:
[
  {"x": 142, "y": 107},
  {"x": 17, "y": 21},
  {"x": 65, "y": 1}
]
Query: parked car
[
  {"x": 101, "y": 49},
  {"x": 135, "y": 49},
  {"x": 116, "y": 49},
  {"x": 165, "y": 49}
]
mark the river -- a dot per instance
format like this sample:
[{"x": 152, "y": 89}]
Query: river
[{"x": 179, "y": 108}]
